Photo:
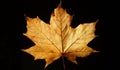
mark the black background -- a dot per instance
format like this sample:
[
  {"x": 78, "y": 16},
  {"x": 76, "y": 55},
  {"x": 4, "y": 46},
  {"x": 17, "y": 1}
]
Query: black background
[{"x": 13, "y": 25}]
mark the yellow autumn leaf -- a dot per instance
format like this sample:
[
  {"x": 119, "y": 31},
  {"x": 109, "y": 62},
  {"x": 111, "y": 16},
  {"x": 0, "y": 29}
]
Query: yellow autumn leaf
[{"x": 59, "y": 39}]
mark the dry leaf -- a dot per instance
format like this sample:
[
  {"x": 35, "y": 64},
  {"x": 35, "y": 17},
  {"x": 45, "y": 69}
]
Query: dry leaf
[{"x": 59, "y": 39}]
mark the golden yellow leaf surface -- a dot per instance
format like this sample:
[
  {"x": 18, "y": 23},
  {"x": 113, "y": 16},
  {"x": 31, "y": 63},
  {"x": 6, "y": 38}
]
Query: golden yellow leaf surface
[{"x": 59, "y": 39}]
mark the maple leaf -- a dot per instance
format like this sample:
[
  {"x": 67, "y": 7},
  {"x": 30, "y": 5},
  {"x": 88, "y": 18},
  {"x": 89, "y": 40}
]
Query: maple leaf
[{"x": 59, "y": 39}]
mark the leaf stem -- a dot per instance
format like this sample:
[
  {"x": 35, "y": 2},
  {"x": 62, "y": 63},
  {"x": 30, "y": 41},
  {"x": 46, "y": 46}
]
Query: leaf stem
[{"x": 64, "y": 67}]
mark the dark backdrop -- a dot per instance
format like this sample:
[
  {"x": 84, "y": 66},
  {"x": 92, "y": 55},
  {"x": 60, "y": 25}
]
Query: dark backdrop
[{"x": 13, "y": 25}]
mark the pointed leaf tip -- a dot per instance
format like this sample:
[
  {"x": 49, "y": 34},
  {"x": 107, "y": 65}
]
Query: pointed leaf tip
[{"x": 60, "y": 4}]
